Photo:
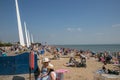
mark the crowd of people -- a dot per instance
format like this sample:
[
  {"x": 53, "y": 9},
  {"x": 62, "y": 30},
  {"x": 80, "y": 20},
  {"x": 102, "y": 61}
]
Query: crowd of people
[
  {"x": 12, "y": 50},
  {"x": 47, "y": 70},
  {"x": 107, "y": 58}
]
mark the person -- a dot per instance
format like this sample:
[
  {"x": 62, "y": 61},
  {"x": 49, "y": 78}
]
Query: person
[
  {"x": 118, "y": 57},
  {"x": 41, "y": 51},
  {"x": 72, "y": 62},
  {"x": 47, "y": 71},
  {"x": 82, "y": 61},
  {"x": 44, "y": 71},
  {"x": 72, "y": 54},
  {"x": 51, "y": 72},
  {"x": 55, "y": 54},
  {"x": 104, "y": 68},
  {"x": 4, "y": 53},
  {"x": 0, "y": 53}
]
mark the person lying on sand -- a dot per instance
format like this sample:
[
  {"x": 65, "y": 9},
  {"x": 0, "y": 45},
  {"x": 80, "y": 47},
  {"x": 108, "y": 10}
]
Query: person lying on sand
[
  {"x": 72, "y": 62},
  {"x": 109, "y": 71}
]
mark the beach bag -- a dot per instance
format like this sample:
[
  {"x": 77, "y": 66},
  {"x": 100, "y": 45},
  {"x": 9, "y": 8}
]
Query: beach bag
[{"x": 60, "y": 74}]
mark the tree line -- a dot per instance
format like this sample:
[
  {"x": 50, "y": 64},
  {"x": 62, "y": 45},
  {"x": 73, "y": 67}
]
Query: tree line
[{"x": 2, "y": 44}]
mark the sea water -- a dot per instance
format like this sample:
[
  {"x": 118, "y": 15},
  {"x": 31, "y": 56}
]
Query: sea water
[{"x": 94, "y": 48}]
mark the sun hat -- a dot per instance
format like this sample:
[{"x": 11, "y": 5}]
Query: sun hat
[
  {"x": 50, "y": 66},
  {"x": 45, "y": 60}
]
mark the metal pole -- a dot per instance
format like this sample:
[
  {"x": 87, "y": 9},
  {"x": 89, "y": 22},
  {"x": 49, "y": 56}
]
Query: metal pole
[{"x": 29, "y": 73}]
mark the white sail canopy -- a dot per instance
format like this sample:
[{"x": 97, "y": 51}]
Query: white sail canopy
[{"x": 21, "y": 38}]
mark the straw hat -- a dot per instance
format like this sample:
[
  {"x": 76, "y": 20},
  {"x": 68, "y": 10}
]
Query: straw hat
[
  {"x": 45, "y": 60},
  {"x": 50, "y": 66}
]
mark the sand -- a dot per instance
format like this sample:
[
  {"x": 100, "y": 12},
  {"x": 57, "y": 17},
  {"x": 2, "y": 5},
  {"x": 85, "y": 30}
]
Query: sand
[
  {"x": 76, "y": 73},
  {"x": 80, "y": 73}
]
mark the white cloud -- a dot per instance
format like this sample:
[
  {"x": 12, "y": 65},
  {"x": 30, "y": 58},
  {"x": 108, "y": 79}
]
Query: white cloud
[
  {"x": 116, "y": 25},
  {"x": 74, "y": 29},
  {"x": 70, "y": 29},
  {"x": 79, "y": 29}
]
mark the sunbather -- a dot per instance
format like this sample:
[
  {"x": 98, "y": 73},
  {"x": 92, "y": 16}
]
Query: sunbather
[{"x": 72, "y": 62}]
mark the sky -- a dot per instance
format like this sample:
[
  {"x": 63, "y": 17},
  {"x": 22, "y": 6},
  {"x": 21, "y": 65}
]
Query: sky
[{"x": 63, "y": 21}]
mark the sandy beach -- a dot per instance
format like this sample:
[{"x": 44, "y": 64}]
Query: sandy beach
[
  {"x": 80, "y": 73},
  {"x": 75, "y": 73}
]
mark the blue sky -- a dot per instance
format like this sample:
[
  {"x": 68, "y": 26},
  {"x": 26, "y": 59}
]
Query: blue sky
[{"x": 63, "y": 21}]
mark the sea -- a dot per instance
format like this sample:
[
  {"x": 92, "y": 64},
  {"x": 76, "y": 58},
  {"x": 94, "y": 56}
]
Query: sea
[{"x": 94, "y": 47}]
